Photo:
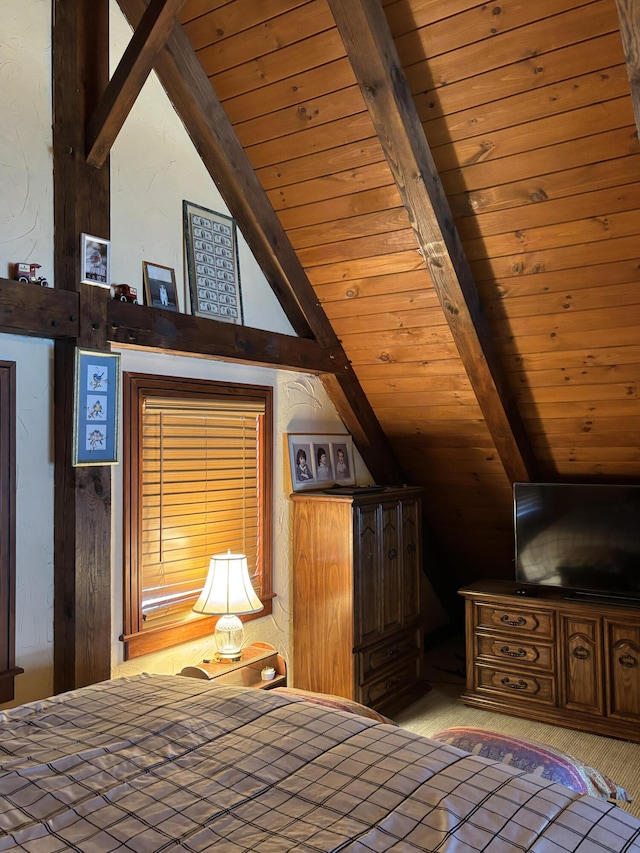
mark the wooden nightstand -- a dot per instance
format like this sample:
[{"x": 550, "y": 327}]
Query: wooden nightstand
[{"x": 246, "y": 671}]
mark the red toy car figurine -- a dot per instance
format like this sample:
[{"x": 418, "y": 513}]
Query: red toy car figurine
[
  {"x": 125, "y": 293},
  {"x": 29, "y": 274}
]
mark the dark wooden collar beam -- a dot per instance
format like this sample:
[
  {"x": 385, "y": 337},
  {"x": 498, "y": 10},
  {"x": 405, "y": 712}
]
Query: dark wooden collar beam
[{"x": 26, "y": 309}]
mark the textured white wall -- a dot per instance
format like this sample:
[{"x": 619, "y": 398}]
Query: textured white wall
[
  {"x": 153, "y": 168},
  {"x": 34, "y": 513},
  {"x": 26, "y": 229},
  {"x": 26, "y": 199}
]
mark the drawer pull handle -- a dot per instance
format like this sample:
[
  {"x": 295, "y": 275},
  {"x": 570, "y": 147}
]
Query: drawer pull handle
[
  {"x": 393, "y": 553},
  {"x": 515, "y": 623},
  {"x": 389, "y": 684},
  {"x": 513, "y": 653},
  {"x": 514, "y": 685},
  {"x": 581, "y": 653},
  {"x": 391, "y": 653},
  {"x": 411, "y": 548},
  {"x": 627, "y": 661}
]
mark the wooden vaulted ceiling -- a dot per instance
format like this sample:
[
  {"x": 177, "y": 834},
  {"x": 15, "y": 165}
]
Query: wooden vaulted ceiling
[
  {"x": 459, "y": 184},
  {"x": 456, "y": 185},
  {"x": 444, "y": 196}
]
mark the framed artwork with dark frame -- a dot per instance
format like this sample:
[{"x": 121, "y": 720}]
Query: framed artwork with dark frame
[
  {"x": 160, "y": 286},
  {"x": 95, "y": 260},
  {"x": 96, "y": 408},
  {"x": 211, "y": 249},
  {"x": 320, "y": 461}
]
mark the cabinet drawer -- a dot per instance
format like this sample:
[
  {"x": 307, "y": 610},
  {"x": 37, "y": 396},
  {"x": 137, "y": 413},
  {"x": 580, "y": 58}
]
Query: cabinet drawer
[
  {"x": 515, "y": 620},
  {"x": 520, "y": 650},
  {"x": 384, "y": 690},
  {"x": 389, "y": 653},
  {"x": 516, "y": 685}
]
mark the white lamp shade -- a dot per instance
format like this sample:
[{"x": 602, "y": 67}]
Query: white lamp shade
[{"x": 228, "y": 588}]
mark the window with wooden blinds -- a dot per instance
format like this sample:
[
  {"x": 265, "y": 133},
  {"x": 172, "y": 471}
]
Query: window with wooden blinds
[{"x": 199, "y": 470}]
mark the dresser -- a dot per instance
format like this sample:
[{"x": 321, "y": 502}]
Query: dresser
[
  {"x": 534, "y": 652},
  {"x": 357, "y": 563}
]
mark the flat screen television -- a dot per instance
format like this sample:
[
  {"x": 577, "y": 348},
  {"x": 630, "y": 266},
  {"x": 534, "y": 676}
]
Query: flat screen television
[{"x": 584, "y": 538}]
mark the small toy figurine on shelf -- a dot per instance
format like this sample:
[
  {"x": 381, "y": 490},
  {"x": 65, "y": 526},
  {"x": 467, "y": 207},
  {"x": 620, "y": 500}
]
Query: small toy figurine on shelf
[
  {"x": 29, "y": 274},
  {"x": 125, "y": 293}
]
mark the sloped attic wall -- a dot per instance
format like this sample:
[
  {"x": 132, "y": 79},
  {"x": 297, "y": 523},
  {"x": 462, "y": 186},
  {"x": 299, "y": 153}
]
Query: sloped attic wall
[{"x": 527, "y": 111}]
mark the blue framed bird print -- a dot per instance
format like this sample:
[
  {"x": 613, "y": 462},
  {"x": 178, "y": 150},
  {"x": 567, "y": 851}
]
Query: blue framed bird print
[{"x": 96, "y": 408}]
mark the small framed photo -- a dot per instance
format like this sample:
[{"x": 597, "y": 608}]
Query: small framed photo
[
  {"x": 342, "y": 460},
  {"x": 160, "y": 286},
  {"x": 211, "y": 249},
  {"x": 95, "y": 255},
  {"x": 96, "y": 403},
  {"x": 320, "y": 461}
]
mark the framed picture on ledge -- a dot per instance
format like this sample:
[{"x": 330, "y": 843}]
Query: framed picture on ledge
[
  {"x": 320, "y": 461},
  {"x": 211, "y": 249},
  {"x": 160, "y": 286}
]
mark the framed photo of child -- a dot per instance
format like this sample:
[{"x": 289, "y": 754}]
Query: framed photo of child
[
  {"x": 342, "y": 461},
  {"x": 95, "y": 260}
]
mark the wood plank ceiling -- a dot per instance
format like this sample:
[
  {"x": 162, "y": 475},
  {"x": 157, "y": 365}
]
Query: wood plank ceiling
[{"x": 507, "y": 346}]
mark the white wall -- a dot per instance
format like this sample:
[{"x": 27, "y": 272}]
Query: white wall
[
  {"x": 26, "y": 229},
  {"x": 34, "y": 513},
  {"x": 153, "y": 168}
]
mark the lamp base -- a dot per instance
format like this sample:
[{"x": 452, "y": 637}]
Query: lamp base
[
  {"x": 223, "y": 657},
  {"x": 229, "y": 638}
]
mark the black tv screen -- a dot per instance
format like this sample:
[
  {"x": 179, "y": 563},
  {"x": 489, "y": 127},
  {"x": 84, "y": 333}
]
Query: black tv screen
[{"x": 583, "y": 538}]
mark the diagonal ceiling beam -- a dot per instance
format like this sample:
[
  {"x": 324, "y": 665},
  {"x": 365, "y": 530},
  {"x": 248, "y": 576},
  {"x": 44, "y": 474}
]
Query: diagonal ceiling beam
[
  {"x": 373, "y": 56},
  {"x": 192, "y": 95},
  {"x": 629, "y": 15},
  {"x": 129, "y": 77}
]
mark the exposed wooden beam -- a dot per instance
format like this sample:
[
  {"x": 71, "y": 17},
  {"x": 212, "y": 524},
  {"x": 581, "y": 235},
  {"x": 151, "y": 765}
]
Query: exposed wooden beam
[
  {"x": 629, "y": 16},
  {"x": 82, "y": 513},
  {"x": 373, "y": 56},
  {"x": 153, "y": 328},
  {"x": 195, "y": 101},
  {"x": 129, "y": 77},
  {"x": 26, "y": 309}
]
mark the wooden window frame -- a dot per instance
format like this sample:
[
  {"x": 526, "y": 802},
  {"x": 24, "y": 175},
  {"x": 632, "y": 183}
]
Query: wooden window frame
[
  {"x": 8, "y": 668},
  {"x": 136, "y": 387}
]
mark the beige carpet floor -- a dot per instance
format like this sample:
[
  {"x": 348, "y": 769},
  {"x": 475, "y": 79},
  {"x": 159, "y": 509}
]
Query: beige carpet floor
[{"x": 440, "y": 708}]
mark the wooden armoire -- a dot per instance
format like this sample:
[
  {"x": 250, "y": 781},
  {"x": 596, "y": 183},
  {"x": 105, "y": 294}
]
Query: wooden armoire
[{"x": 357, "y": 573}]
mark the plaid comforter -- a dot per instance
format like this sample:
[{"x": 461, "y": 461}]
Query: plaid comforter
[{"x": 164, "y": 763}]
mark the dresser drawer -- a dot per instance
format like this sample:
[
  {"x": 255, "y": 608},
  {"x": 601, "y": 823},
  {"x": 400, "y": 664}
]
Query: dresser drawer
[
  {"x": 515, "y": 620},
  {"x": 516, "y": 685},
  {"x": 392, "y": 652},
  {"x": 523, "y": 651},
  {"x": 382, "y": 691}
]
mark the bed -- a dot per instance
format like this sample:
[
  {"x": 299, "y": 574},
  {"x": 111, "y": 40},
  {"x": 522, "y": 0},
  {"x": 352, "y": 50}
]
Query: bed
[{"x": 167, "y": 763}]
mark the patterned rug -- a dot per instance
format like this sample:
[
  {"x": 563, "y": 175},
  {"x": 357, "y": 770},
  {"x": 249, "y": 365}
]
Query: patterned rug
[{"x": 441, "y": 709}]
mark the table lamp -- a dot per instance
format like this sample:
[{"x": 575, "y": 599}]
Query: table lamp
[{"x": 228, "y": 591}]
